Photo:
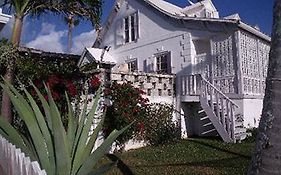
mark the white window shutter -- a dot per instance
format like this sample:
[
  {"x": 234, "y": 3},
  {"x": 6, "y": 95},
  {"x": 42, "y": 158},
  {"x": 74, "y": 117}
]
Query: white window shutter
[
  {"x": 119, "y": 32},
  {"x": 136, "y": 23}
]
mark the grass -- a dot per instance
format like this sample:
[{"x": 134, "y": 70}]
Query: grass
[{"x": 189, "y": 157}]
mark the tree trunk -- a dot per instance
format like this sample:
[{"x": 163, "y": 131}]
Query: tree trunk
[
  {"x": 6, "y": 110},
  {"x": 69, "y": 35},
  {"x": 266, "y": 159}
]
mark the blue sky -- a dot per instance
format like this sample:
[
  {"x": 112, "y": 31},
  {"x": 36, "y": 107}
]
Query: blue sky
[{"x": 48, "y": 32}]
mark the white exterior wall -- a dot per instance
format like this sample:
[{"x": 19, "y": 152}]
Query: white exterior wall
[
  {"x": 251, "y": 109},
  {"x": 158, "y": 33}
]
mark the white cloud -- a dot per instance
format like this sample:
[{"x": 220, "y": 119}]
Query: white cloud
[
  {"x": 48, "y": 39},
  {"x": 83, "y": 40}
]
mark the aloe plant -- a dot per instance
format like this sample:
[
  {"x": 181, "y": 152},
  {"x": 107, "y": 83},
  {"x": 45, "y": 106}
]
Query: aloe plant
[{"x": 58, "y": 150}]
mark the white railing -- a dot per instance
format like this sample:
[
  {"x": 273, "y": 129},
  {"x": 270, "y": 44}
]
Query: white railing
[
  {"x": 219, "y": 108},
  {"x": 14, "y": 162}
]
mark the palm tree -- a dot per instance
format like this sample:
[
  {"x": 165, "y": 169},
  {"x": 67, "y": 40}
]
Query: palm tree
[
  {"x": 71, "y": 22},
  {"x": 267, "y": 156},
  {"x": 85, "y": 9}
]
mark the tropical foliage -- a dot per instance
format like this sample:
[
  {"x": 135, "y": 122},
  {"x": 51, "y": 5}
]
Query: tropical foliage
[
  {"x": 128, "y": 105},
  {"x": 83, "y": 9},
  {"x": 159, "y": 128},
  {"x": 58, "y": 150}
]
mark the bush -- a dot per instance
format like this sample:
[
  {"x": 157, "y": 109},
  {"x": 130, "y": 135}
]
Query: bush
[
  {"x": 158, "y": 125},
  {"x": 128, "y": 106}
]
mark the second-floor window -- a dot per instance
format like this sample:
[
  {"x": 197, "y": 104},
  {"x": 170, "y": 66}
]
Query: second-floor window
[
  {"x": 163, "y": 62},
  {"x": 127, "y": 29}
]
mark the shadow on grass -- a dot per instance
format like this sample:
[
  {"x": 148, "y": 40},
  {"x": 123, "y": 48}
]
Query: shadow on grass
[
  {"x": 220, "y": 149},
  {"x": 120, "y": 164},
  {"x": 227, "y": 162}
]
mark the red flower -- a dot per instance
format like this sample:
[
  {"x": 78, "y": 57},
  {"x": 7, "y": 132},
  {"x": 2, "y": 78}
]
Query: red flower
[
  {"x": 53, "y": 80},
  {"x": 95, "y": 82},
  {"x": 55, "y": 95},
  {"x": 71, "y": 88},
  {"x": 141, "y": 127}
]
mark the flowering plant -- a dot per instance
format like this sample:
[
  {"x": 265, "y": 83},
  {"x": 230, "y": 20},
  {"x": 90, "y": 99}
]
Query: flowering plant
[{"x": 128, "y": 106}]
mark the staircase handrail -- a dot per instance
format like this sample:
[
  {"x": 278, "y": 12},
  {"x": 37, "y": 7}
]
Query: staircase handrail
[{"x": 219, "y": 91}]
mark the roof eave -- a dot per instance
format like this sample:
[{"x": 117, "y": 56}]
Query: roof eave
[{"x": 254, "y": 31}]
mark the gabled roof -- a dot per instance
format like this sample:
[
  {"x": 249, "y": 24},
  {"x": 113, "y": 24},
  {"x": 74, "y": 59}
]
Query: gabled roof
[
  {"x": 176, "y": 12},
  {"x": 166, "y": 7}
]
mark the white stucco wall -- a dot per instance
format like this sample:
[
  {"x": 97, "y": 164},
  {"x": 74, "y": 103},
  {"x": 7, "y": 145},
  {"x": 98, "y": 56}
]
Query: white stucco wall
[
  {"x": 251, "y": 109},
  {"x": 158, "y": 33}
]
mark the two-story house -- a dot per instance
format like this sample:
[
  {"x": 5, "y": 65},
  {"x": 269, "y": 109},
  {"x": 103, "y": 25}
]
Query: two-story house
[{"x": 220, "y": 63}]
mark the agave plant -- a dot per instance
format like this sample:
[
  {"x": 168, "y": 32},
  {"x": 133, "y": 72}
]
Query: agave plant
[{"x": 58, "y": 150}]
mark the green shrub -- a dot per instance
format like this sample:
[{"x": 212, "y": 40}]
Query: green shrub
[
  {"x": 158, "y": 125},
  {"x": 57, "y": 150},
  {"x": 128, "y": 106}
]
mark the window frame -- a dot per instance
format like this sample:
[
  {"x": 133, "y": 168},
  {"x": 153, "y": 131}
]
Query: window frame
[
  {"x": 163, "y": 62},
  {"x": 131, "y": 62}
]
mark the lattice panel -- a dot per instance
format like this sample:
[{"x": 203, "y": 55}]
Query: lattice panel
[
  {"x": 225, "y": 85},
  {"x": 223, "y": 57},
  {"x": 223, "y": 67},
  {"x": 254, "y": 56}
]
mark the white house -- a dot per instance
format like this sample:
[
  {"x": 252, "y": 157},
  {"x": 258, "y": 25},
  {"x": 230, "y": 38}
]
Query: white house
[
  {"x": 3, "y": 19},
  {"x": 220, "y": 63}
]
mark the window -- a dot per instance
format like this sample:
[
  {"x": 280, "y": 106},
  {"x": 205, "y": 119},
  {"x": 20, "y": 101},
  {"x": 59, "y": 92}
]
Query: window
[
  {"x": 127, "y": 29},
  {"x": 163, "y": 63},
  {"x": 132, "y": 64}
]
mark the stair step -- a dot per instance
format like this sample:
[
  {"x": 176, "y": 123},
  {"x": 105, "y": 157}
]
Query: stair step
[
  {"x": 204, "y": 118},
  {"x": 201, "y": 111},
  {"x": 207, "y": 132},
  {"x": 208, "y": 124}
]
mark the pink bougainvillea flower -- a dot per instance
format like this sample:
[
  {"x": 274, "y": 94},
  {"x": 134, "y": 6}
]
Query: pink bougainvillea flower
[{"x": 95, "y": 82}]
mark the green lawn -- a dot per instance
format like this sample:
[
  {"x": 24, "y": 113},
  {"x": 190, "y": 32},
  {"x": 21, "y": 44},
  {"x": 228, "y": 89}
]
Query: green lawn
[{"x": 189, "y": 157}]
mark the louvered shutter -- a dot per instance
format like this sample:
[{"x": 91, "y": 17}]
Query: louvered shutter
[
  {"x": 119, "y": 32},
  {"x": 136, "y": 24}
]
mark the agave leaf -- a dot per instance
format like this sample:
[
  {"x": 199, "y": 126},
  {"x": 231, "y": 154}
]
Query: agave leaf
[
  {"x": 44, "y": 129},
  {"x": 80, "y": 126},
  {"x": 60, "y": 140},
  {"x": 45, "y": 105},
  {"x": 91, "y": 143},
  {"x": 27, "y": 115},
  {"x": 91, "y": 160},
  {"x": 85, "y": 132},
  {"x": 103, "y": 169},
  {"x": 72, "y": 126},
  {"x": 12, "y": 135}
]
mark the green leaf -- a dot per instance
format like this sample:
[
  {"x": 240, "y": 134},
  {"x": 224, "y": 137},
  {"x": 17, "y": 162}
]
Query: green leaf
[
  {"x": 44, "y": 129},
  {"x": 62, "y": 152},
  {"x": 45, "y": 105},
  {"x": 72, "y": 126},
  {"x": 27, "y": 115},
  {"x": 86, "y": 121},
  {"x": 91, "y": 161},
  {"x": 11, "y": 134}
]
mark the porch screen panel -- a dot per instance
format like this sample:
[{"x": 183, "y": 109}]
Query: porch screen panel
[
  {"x": 254, "y": 57},
  {"x": 263, "y": 50},
  {"x": 222, "y": 63}
]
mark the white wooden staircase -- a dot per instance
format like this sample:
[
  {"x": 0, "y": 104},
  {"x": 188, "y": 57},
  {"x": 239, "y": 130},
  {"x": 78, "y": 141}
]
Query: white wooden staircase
[{"x": 219, "y": 114}]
